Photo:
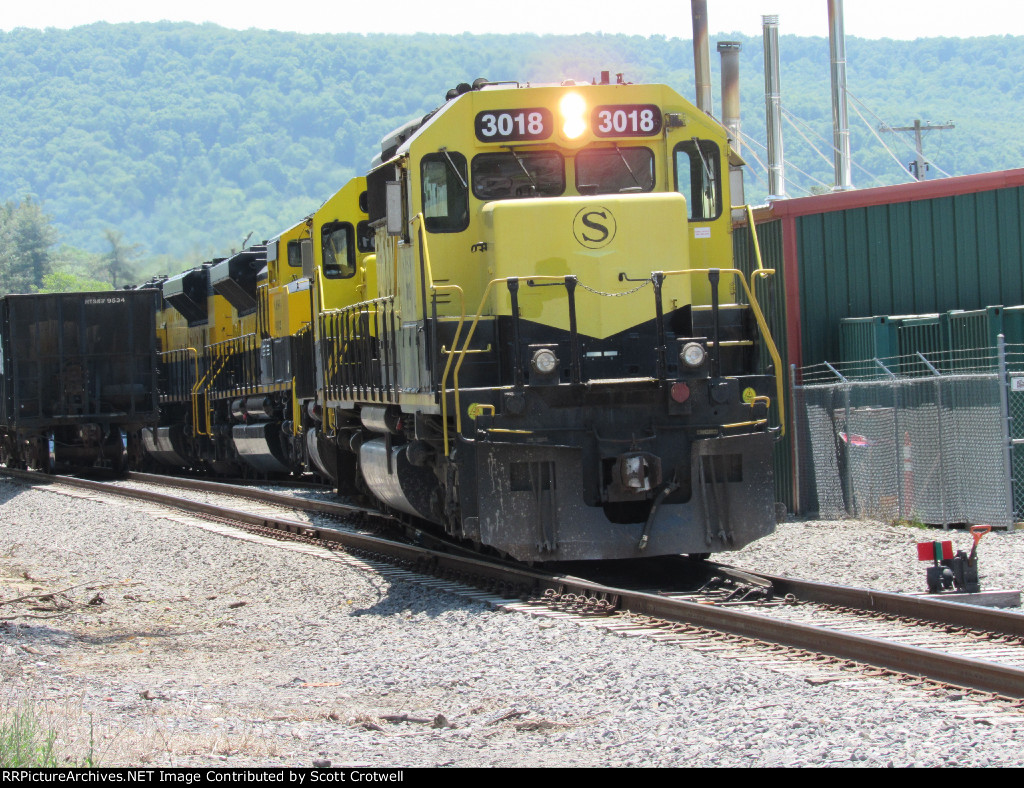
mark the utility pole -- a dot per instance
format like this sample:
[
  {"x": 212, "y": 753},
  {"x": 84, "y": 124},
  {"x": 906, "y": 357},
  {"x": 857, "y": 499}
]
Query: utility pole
[{"x": 918, "y": 168}]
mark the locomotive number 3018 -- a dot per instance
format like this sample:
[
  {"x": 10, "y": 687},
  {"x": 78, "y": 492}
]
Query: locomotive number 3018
[
  {"x": 513, "y": 124},
  {"x": 627, "y": 120}
]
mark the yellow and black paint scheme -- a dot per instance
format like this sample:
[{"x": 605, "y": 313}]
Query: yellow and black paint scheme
[
  {"x": 560, "y": 361},
  {"x": 225, "y": 407},
  {"x": 341, "y": 251},
  {"x": 289, "y": 308},
  {"x": 238, "y": 378},
  {"x": 524, "y": 324},
  {"x": 183, "y": 334}
]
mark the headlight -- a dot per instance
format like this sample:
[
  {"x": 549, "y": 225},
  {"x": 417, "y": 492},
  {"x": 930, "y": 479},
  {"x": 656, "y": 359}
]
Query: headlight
[
  {"x": 573, "y": 109},
  {"x": 692, "y": 355},
  {"x": 544, "y": 362}
]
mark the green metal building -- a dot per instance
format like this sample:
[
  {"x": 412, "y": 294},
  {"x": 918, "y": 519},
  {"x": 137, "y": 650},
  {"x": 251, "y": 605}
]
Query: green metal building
[{"x": 926, "y": 247}]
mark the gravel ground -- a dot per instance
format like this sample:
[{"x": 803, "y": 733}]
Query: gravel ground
[
  {"x": 874, "y": 555},
  {"x": 202, "y": 649}
]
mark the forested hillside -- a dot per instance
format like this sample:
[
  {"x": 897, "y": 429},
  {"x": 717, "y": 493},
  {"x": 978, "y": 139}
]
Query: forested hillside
[{"x": 168, "y": 143}]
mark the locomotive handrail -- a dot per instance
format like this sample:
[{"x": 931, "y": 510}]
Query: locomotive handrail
[
  {"x": 239, "y": 340},
  {"x": 448, "y": 363},
  {"x": 194, "y": 393},
  {"x": 318, "y": 306},
  {"x": 472, "y": 329},
  {"x": 358, "y": 305},
  {"x": 212, "y": 370},
  {"x": 237, "y": 347},
  {"x": 760, "y": 272},
  {"x": 186, "y": 351},
  {"x": 758, "y": 315},
  {"x": 334, "y": 323},
  {"x": 761, "y": 323},
  {"x": 263, "y": 309},
  {"x": 753, "y": 237},
  {"x": 434, "y": 289}
]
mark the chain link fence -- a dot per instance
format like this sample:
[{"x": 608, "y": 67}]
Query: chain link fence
[{"x": 927, "y": 439}]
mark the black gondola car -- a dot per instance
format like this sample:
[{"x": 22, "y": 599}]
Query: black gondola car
[{"x": 77, "y": 378}]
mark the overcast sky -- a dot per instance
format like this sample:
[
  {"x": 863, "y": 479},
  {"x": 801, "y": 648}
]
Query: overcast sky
[{"x": 903, "y": 19}]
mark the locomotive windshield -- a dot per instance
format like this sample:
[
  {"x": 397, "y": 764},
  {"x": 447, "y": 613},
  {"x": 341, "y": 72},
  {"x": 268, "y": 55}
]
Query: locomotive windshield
[
  {"x": 614, "y": 170},
  {"x": 502, "y": 176}
]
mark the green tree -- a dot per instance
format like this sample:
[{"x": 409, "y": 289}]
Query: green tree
[
  {"x": 188, "y": 136},
  {"x": 66, "y": 282},
  {"x": 6, "y": 247},
  {"x": 120, "y": 260},
  {"x": 27, "y": 236}
]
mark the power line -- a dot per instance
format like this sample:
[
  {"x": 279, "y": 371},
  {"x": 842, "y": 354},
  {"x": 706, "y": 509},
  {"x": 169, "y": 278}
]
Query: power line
[
  {"x": 919, "y": 166},
  {"x": 829, "y": 143},
  {"x": 880, "y": 140},
  {"x": 885, "y": 126}
]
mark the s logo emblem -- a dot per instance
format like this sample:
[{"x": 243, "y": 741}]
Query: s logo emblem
[{"x": 594, "y": 227}]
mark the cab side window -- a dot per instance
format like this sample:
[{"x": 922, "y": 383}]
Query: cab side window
[
  {"x": 294, "y": 254},
  {"x": 445, "y": 192},
  {"x": 698, "y": 178},
  {"x": 339, "y": 250},
  {"x": 365, "y": 237}
]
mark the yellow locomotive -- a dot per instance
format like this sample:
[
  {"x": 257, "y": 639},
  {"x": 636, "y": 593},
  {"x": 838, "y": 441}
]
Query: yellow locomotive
[
  {"x": 238, "y": 377},
  {"x": 524, "y": 325},
  {"x": 556, "y": 358}
]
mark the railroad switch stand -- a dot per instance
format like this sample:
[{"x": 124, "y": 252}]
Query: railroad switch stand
[{"x": 952, "y": 573}]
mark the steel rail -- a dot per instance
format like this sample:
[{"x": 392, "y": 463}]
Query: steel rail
[
  {"x": 954, "y": 614},
  {"x": 937, "y": 666},
  {"x": 266, "y": 496},
  {"x": 428, "y": 559}
]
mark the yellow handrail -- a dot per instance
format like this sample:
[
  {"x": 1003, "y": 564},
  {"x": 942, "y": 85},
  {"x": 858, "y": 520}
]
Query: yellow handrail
[
  {"x": 195, "y": 397},
  {"x": 210, "y": 374},
  {"x": 186, "y": 351},
  {"x": 761, "y": 322},
  {"x": 753, "y": 235},
  {"x": 194, "y": 394},
  {"x": 296, "y": 411},
  {"x": 472, "y": 330},
  {"x": 448, "y": 364},
  {"x": 434, "y": 289},
  {"x": 758, "y": 315}
]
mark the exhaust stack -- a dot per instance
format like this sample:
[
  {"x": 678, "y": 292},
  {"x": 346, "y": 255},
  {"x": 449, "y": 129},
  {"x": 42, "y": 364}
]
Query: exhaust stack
[
  {"x": 840, "y": 122},
  {"x": 773, "y": 109},
  {"x": 701, "y": 55},
  {"x": 730, "y": 52}
]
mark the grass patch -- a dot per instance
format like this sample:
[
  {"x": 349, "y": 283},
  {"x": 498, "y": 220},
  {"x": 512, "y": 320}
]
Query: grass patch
[
  {"x": 24, "y": 741},
  {"x": 28, "y": 740},
  {"x": 914, "y": 522}
]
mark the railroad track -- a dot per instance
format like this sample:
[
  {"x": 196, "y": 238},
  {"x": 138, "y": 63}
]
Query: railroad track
[{"x": 943, "y": 643}]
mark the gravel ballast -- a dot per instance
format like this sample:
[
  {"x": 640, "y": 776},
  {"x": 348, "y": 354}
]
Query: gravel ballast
[{"x": 204, "y": 649}]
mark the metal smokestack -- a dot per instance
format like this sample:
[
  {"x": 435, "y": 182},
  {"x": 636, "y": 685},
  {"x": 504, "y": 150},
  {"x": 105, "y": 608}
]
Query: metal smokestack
[
  {"x": 840, "y": 123},
  {"x": 730, "y": 52},
  {"x": 701, "y": 55},
  {"x": 773, "y": 108}
]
